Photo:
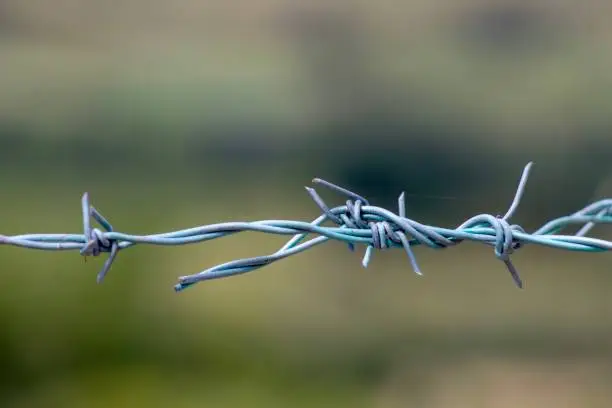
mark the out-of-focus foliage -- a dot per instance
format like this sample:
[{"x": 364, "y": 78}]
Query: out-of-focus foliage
[{"x": 179, "y": 113}]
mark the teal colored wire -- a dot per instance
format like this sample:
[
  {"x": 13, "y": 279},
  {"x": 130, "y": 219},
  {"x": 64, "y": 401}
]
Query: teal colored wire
[{"x": 355, "y": 223}]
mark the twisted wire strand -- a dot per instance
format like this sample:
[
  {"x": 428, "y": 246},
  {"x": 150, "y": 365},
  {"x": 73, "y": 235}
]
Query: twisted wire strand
[{"x": 356, "y": 222}]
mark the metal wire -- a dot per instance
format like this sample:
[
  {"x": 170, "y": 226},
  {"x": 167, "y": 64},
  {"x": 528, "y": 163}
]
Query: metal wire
[{"x": 356, "y": 222}]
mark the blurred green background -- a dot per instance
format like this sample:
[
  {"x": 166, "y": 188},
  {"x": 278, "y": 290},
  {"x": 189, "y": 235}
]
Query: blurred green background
[{"x": 180, "y": 113}]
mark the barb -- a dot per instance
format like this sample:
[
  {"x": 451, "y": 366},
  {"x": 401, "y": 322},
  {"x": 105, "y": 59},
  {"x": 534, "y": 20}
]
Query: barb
[{"x": 356, "y": 223}]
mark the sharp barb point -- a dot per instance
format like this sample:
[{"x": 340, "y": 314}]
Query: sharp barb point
[{"x": 356, "y": 223}]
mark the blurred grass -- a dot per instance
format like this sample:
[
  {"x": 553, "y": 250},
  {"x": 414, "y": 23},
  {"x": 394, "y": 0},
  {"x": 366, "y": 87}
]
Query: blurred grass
[
  {"x": 178, "y": 94},
  {"x": 179, "y": 113},
  {"x": 185, "y": 87},
  {"x": 286, "y": 332}
]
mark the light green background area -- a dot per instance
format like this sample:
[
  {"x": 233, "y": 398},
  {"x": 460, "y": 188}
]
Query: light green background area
[{"x": 184, "y": 113}]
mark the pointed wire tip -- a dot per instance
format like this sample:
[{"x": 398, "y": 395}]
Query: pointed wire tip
[
  {"x": 519, "y": 192},
  {"x": 105, "y": 269},
  {"x": 179, "y": 287},
  {"x": 514, "y": 273},
  {"x": 418, "y": 271},
  {"x": 527, "y": 169},
  {"x": 518, "y": 281},
  {"x": 311, "y": 191},
  {"x": 322, "y": 182},
  {"x": 401, "y": 203},
  {"x": 367, "y": 256},
  {"x": 340, "y": 190},
  {"x": 319, "y": 180}
]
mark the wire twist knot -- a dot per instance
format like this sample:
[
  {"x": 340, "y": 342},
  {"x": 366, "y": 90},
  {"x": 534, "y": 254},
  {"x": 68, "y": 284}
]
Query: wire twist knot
[
  {"x": 356, "y": 222},
  {"x": 96, "y": 240},
  {"x": 390, "y": 230}
]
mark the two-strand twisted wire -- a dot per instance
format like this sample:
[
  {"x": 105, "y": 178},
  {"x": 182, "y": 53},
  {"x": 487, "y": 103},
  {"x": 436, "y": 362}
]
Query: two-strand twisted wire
[{"x": 356, "y": 222}]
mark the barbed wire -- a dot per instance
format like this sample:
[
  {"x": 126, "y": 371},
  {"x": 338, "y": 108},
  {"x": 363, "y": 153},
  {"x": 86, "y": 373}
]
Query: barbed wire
[{"x": 356, "y": 222}]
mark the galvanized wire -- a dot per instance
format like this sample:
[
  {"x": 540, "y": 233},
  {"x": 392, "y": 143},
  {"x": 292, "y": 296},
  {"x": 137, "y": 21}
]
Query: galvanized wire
[{"x": 356, "y": 222}]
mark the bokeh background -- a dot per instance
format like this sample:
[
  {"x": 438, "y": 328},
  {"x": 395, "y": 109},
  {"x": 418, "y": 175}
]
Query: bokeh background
[{"x": 181, "y": 113}]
